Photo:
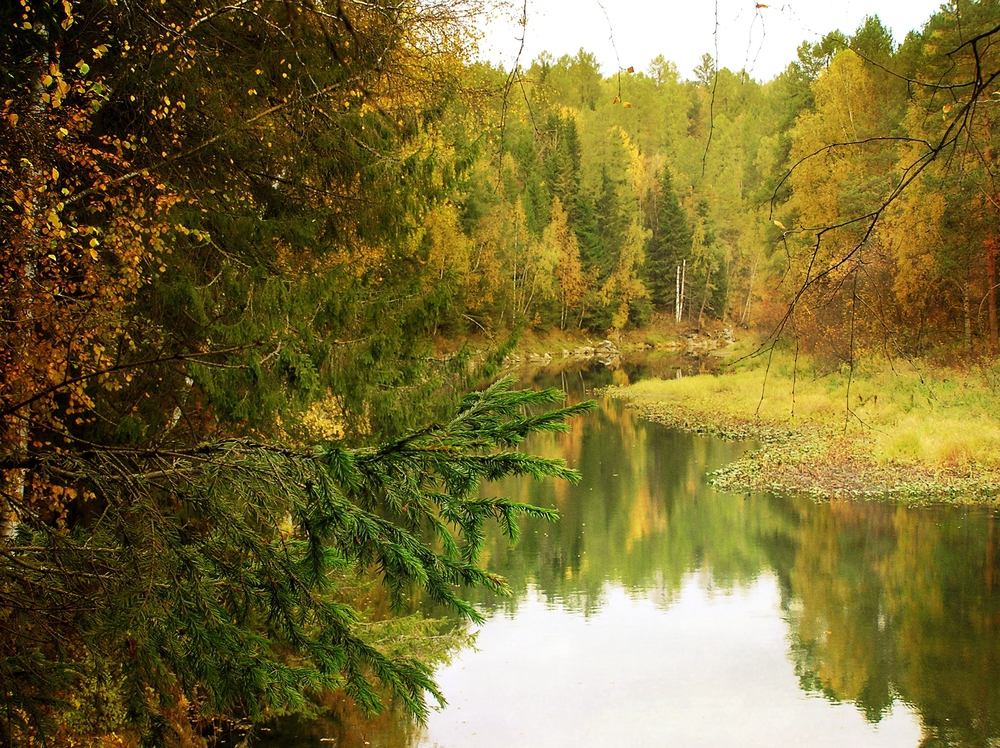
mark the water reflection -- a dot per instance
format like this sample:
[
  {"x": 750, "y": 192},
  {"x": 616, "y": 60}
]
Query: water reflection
[
  {"x": 658, "y": 611},
  {"x": 895, "y": 603}
]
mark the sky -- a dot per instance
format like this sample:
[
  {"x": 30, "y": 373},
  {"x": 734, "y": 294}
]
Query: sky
[{"x": 760, "y": 37}]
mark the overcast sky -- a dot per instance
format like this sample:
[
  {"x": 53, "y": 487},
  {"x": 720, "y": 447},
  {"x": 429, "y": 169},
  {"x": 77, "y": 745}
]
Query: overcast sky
[{"x": 761, "y": 39}]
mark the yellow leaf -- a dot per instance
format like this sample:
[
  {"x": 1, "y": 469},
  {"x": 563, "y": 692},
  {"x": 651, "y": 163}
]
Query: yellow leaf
[{"x": 12, "y": 118}]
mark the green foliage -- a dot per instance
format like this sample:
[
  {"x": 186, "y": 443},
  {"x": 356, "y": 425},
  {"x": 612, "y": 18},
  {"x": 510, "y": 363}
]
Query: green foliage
[
  {"x": 232, "y": 226},
  {"x": 669, "y": 244},
  {"x": 209, "y": 574},
  {"x": 233, "y": 198}
]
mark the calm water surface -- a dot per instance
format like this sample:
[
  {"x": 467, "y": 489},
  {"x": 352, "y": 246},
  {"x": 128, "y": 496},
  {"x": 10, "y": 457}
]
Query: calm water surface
[{"x": 658, "y": 612}]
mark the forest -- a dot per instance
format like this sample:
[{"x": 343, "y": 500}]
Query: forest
[{"x": 235, "y": 233}]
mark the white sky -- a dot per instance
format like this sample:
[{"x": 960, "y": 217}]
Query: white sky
[{"x": 761, "y": 40}]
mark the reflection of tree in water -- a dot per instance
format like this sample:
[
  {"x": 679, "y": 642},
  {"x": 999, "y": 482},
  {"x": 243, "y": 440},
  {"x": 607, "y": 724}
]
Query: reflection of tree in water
[
  {"x": 884, "y": 603},
  {"x": 892, "y": 602},
  {"x": 642, "y": 517},
  {"x": 342, "y": 725},
  {"x": 842, "y": 640}
]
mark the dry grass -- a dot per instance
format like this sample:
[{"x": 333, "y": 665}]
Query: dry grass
[{"x": 935, "y": 418}]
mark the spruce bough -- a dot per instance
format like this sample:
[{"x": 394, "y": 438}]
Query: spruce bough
[{"x": 207, "y": 577}]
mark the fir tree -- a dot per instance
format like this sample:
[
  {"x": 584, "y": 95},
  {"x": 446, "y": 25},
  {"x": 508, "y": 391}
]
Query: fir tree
[
  {"x": 210, "y": 224},
  {"x": 612, "y": 224},
  {"x": 562, "y": 167},
  {"x": 207, "y": 575},
  {"x": 669, "y": 244}
]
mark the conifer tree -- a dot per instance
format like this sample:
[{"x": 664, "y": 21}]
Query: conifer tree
[
  {"x": 669, "y": 244},
  {"x": 207, "y": 575},
  {"x": 209, "y": 230}
]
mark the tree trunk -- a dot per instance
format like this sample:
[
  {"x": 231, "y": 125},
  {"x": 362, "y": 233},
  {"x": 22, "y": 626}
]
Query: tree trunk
[
  {"x": 967, "y": 312},
  {"x": 684, "y": 270},
  {"x": 745, "y": 318},
  {"x": 677, "y": 297},
  {"x": 18, "y": 479},
  {"x": 991, "y": 267},
  {"x": 704, "y": 299}
]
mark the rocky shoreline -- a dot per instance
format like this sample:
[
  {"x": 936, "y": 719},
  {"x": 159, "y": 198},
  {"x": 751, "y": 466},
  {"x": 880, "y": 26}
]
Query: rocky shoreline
[
  {"x": 610, "y": 353},
  {"x": 605, "y": 352}
]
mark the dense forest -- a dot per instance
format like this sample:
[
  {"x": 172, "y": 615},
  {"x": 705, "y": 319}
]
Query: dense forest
[
  {"x": 233, "y": 231},
  {"x": 848, "y": 199}
]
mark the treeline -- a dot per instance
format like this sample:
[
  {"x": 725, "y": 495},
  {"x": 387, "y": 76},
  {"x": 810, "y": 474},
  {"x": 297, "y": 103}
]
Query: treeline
[
  {"x": 579, "y": 211},
  {"x": 847, "y": 202}
]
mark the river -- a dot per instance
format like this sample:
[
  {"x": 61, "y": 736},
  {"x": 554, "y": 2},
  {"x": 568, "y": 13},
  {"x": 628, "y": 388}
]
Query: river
[{"x": 659, "y": 612}]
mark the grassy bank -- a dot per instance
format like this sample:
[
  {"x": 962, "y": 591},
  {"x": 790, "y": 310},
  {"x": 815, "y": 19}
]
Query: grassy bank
[{"x": 906, "y": 431}]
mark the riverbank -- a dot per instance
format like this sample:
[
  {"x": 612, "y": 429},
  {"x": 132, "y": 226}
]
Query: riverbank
[
  {"x": 662, "y": 335},
  {"x": 910, "y": 432}
]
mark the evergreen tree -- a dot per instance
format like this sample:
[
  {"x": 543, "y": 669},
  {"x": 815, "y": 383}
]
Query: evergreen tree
[
  {"x": 669, "y": 244},
  {"x": 562, "y": 166},
  {"x": 612, "y": 223},
  {"x": 208, "y": 575},
  {"x": 211, "y": 244}
]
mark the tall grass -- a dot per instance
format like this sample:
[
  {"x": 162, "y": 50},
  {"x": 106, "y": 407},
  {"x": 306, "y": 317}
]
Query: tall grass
[{"x": 906, "y": 411}]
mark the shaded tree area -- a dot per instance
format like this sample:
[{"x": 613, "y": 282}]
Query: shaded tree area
[{"x": 221, "y": 418}]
